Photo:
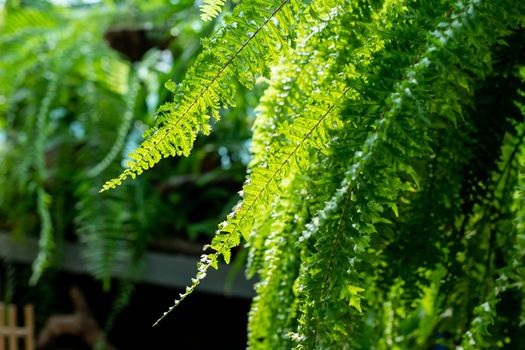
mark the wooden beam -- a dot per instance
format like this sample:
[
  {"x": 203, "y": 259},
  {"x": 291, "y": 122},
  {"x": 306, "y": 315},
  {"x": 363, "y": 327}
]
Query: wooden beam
[{"x": 167, "y": 270}]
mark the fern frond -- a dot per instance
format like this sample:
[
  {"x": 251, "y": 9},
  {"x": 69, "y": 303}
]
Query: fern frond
[
  {"x": 205, "y": 262},
  {"x": 211, "y": 9},
  {"x": 266, "y": 178},
  {"x": 380, "y": 164},
  {"x": 271, "y": 315},
  {"x": 507, "y": 281},
  {"x": 519, "y": 200},
  {"x": 46, "y": 242},
  {"x": 203, "y": 92},
  {"x": 103, "y": 230},
  {"x": 282, "y": 111},
  {"x": 134, "y": 87},
  {"x": 26, "y": 21},
  {"x": 263, "y": 180}
]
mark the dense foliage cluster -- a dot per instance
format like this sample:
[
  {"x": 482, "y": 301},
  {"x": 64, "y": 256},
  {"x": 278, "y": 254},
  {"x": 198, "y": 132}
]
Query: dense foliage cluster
[{"x": 383, "y": 206}]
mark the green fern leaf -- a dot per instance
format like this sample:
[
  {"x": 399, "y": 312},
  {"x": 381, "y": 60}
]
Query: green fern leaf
[
  {"x": 209, "y": 83},
  {"x": 46, "y": 242}
]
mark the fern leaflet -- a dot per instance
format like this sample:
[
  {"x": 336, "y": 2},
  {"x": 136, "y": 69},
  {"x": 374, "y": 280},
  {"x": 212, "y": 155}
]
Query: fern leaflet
[{"x": 211, "y": 9}]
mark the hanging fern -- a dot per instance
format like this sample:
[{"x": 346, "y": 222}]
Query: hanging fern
[
  {"x": 65, "y": 92},
  {"x": 371, "y": 131},
  {"x": 123, "y": 131},
  {"x": 383, "y": 204},
  {"x": 46, "y": 242}
]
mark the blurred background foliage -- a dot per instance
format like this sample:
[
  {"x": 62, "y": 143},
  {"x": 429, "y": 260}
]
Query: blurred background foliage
[{"x": 80, "y": 83}]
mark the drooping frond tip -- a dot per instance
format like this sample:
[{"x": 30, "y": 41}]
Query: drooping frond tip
[{"x": 211, "y": 9}]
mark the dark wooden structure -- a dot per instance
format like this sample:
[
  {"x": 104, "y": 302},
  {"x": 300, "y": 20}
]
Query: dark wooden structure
[{"x": 11, "y": 333}]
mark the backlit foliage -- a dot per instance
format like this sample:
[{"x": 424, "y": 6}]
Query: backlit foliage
[
  {"x": 211, "y": 9},
  {"x": 383, "y": 203}
]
